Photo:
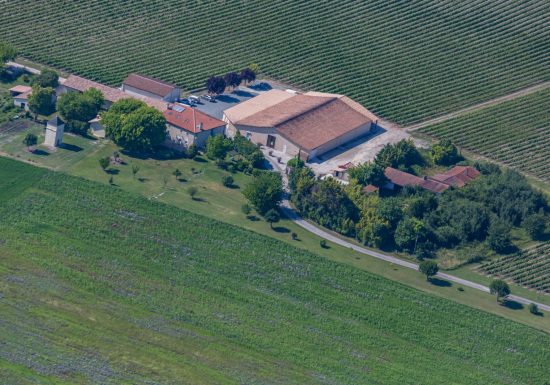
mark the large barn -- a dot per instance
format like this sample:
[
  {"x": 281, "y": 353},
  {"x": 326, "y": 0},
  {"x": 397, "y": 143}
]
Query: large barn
[{"x": 308, "y": 125}]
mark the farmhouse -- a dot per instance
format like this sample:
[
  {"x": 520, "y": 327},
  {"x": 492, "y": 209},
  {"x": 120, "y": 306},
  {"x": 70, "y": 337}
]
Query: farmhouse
[
  {"x": 401, "y": 179},
  {"x": 187, "y": 126},
  {"x": 77, "y": 84},
  {"x": 139, "y": 85},
  {"x": 457, "y": 176},
  {"x": 21, "y": 96},
  {"x": 308, "y": 125}
]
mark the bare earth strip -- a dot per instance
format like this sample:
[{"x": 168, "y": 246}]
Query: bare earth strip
[{"x": 477, "y": 107}]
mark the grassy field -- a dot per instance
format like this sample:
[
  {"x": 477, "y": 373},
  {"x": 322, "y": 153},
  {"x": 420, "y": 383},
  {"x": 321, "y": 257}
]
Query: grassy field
[
  {"x": 102, "y": 286},
  {"x": 405, "y": 61},
  {"x": 515, "y": 133}
]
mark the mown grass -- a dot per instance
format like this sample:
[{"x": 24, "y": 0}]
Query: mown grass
[{"x": 103, "y": 286}]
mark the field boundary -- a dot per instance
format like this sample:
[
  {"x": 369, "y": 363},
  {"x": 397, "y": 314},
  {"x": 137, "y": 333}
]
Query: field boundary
[{"x": 476, "y": 107}]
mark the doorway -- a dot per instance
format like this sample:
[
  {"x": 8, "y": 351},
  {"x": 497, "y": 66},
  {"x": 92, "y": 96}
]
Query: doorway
[{"x": 271, "y": 141}]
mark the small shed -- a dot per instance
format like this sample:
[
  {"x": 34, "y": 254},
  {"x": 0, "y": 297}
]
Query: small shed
[{"x": 97, "y": 129}]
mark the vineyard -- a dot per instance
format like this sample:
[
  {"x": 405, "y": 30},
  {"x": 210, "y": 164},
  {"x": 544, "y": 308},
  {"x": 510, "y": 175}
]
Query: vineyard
[
  {"x": 529, "y": 268},
  {"x": 406, "y": 61},
  {"x": 515, "y": 133},
  {"x": 100, "y": 286}
]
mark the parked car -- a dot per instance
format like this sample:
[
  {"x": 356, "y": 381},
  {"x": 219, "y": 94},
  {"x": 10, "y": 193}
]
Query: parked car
[
  {"x": 194, "y": 98},
  {"x": 210, "y": 98}
]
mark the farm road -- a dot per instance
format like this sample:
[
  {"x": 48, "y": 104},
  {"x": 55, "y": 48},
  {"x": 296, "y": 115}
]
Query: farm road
[
  {"x": 291, "y": 214},
  {"x": 476, "y": 107}
]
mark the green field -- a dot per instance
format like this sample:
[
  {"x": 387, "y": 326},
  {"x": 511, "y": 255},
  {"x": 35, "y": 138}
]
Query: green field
[
  {"x": 516, "y": 133},
  {"x": 102, "y": 286},
  {"x": 406, "y": 61},
  {"x": 529, "y": 268}
]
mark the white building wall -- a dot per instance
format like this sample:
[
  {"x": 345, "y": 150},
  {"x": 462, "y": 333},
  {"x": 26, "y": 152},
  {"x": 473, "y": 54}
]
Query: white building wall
[
  {"x": 179, "y": 139},
  {"x": 54, "y": 136}
]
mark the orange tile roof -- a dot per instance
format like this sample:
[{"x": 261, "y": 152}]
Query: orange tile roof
[
  {"x": 192, "y": 120},
  {"x": 20, "y": 89},
  {"x": 307, "y": 120},
  {"x": 458, "y": 176},
  {"x": 401, "y": 178},
  {"x": 145, "y": 83},
  {"x": 370, "y": 189},
  {"x": 110, "y": 94}
]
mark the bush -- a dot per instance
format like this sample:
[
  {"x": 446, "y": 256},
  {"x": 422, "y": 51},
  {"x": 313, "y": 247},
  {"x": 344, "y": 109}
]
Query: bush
[
  {"x": 246, "y": 209},
  {"x": 534, "y": 309},
  {"x": 499, "y": 288},
  {"x": 192, "y": 191},
  {"x": 192, "y": 151},
  {"x": 428, "y": 268},
  {"x": 104, "y": 163},
  {"x": 227, "y": 180},
  {"x": 323, "y": 243}
]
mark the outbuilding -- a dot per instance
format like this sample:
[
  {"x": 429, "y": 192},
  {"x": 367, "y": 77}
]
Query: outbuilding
[
  {"x": 306, "y": 125},
  {"x": 21, "y": 95},
  {"x": 187, "y": 126},
  {"x": 141, "y": 85}
]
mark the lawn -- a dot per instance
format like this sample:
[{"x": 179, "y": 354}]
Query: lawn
[
  {"x": 405, "y": 61},
  {"x": 99, "y": 285}
]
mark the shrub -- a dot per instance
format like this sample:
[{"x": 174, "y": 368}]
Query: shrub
[
  {"x": 323, "y": 243},
  {"x": 428, "y": 268},
  {"x": 104, "y": 163},
  {"x": 499, "y": 288},
  {"x": 533, "y": 309},
  {"x": 227, "y": 180},
  {"x": 192, "y": 191}
]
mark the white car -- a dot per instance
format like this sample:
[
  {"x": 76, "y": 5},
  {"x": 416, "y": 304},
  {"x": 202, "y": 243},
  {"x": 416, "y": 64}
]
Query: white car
[{"x": 210, "y": 98}]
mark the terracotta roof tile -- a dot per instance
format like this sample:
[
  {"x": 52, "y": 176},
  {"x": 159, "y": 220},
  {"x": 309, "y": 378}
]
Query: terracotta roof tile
[
  {"x": 192, "y": 120},
  {"x": 401, "y": 178},
  {"x": 145, "y": 83},
  {"x": 458, "y": 176},
  {"x": 19, "y": 89}
]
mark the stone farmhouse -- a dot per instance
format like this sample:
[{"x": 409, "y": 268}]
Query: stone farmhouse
[
  {"x": 187, "y": 126},
  {"x": 306, "y": 125},
  {"x": 139, "y": 85}
]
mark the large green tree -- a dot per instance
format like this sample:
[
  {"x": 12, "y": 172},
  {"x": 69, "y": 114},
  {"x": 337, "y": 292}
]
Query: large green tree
[
  {"x": 265, "y": 191},
  {"x": 7, "y": 52},
  {"x": 77, "y": 109},
  {"x": 217, "y": 147},
  {"x": 47, "y": 78},
  {"x": 499, "y": 288},
  {"x": 428, "y": 268},
  {"x": 133, "y": 125},
  {"x": 444, "y": 153},
  {"x": 41, "y": 101}
]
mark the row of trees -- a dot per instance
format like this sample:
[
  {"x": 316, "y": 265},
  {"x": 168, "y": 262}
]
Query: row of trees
[
  {"x": 218, "y": 84},
  {"x": 414, "y": 220}
]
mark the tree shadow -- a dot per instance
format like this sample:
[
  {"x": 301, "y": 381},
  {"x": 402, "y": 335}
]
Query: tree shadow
[
  {"x": 440, "y": 282},
  {"x": 40, "y": 152},
  {"x": 143, "y": 179},
  {"x": 71, "y": 147},
  {"x": 252, "y": 218},
  {"x": 112, "y": 171},
  {"x": 243, "y": 94},
  {"x": 513, "y": 305},
  {"x": 198, "y": 199},
  {"x": 199, "y": 159},
  {"x": 227, "y": 99},
  {"x": 281, "y": 229}
]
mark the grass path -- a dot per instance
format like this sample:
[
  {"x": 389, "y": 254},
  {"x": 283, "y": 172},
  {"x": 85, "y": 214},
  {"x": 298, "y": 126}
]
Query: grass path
[{"x": 477, "y": 107}]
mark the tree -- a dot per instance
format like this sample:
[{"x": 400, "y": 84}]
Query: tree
[
  {"x": 135, "y": 170},
  {"x": 215, "y": 85},
  {"x": 47, "y": 78},
  {"x": 30, "y": 140},
  {"x": 227, "y": 180},
  {"x": 135, "y": 126},
  {"x": 408, "y": 232},
  {"x": 246, "y": 209},
  {"x": 192, "y": 151},
  {"x": 428, "y": 268},
  {"x": 323, "y": 243},
  {"x": 368, "y": 173},
  {"x": 498, "y": 236},
  {"x": 177, "y": 173},
  {"x": 272, "y": 216},
  {"x": 444, "y": 152},
  {"x": 232, "y": 79},
  {"x": 400, "y": 154},
  {"x": 7, "y": 53},
  {"x": 77, "y": 109},
  {"x": 217, "y": 147},
  {"x": 265, "y": 191},
  {"x": 534, "y": 309},
  {"x": 499, "y": 288},
  {"x": 248, "y": 75},
  {"x": 254, "y": 67},
  {"x": 41, "y": 101},
  {"x": 192, "y": 191},
  {"x": 535, "y": 225},
  {"x": 104, "y": 163}
]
